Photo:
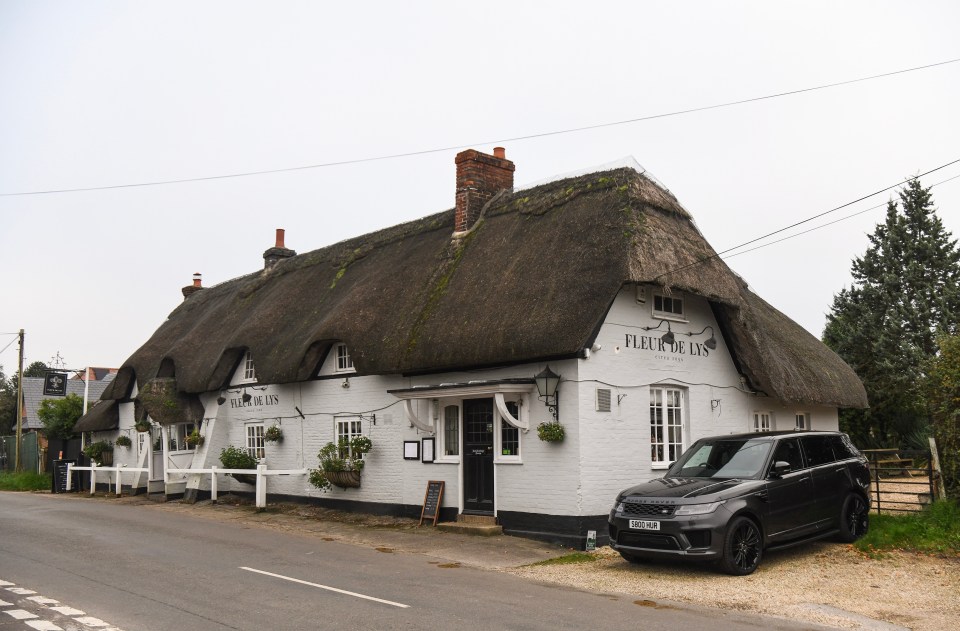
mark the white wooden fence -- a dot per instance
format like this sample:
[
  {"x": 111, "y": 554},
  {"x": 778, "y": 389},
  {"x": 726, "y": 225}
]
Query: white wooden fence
[{"x": 261, "y": 472}]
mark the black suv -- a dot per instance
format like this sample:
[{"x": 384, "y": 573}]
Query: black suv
[{"x": 730, "y": 498}]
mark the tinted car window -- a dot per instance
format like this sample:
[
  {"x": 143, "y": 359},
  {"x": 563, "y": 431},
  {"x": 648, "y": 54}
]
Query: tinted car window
[
  {"x": 817, "y": 450},
  {"x": 722, "y": 458},
  {"x": 843, "y": 448},
  {"x": 789, "y": 451}
]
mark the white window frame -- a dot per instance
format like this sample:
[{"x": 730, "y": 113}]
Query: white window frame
[
  {"x": 253, "y": 439},
  {"x": 499, "y": 425},
  {"x": 441, "y": 455},
  {"x": 141, "y": 441},
  {"x": 671, "y": 314},
  {"x": 176, "y": 436},
  {"x": 660, "y": 458},
  {"x": 342, "y": 360},
  {"x": 762, "y": 421},
  {"x": 347, "y": 427},
  {"x": 802, "y": 421}
]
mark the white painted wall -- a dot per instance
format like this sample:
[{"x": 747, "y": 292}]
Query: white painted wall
[{"x": 603, "y": 452}]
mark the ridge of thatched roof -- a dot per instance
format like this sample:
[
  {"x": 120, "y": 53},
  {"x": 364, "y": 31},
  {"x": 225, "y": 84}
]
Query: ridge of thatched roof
[{"x": 532, "y": 280}]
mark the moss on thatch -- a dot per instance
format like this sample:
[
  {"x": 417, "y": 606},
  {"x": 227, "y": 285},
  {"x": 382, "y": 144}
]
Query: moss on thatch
[
  {"x": 165, "y": 404},
  {"x": 533, "y": 280}
]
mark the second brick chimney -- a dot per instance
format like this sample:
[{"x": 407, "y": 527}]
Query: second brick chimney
[
  {"x": 195, "y": 287},
  {"x": 272, "y": 255},
  {"x": 479, "y": 177}
]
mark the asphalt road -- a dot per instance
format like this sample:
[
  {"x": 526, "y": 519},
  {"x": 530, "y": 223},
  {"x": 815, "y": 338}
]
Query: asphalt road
[{"x": 143, "y": 569}]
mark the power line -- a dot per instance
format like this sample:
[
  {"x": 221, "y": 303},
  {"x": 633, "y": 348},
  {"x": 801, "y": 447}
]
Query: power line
[
  {"x": 545, "y": 134},
  {"x": 829, "y": 223},
  {"x": 800, "y": 223}
]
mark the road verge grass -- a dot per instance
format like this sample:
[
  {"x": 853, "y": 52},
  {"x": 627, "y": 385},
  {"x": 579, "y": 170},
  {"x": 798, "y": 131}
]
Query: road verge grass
[
  {"x": 935, "y": 530},
  {"x": 25, "y": 481}
]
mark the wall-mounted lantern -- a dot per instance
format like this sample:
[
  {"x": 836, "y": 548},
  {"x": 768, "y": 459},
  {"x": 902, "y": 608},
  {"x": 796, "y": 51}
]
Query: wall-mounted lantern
[{"x": 547, "y": 384}]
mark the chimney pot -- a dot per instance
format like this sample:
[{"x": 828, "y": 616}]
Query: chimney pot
[
  {"x": 197, "y": 277},
  {"x": 278, "y": 252},
  {"x": 194, "y": 288},
  {"x": 280, "y": 233},
  {"x": 500, "y": 152}
]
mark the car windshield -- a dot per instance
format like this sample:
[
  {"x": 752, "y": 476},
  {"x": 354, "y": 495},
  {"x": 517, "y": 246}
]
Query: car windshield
[{"x": 722, "y": 458}]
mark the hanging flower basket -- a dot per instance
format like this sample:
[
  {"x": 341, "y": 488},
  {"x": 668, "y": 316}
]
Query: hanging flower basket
[
  {"x": 273, "y": 434},
  {"x": 551, "y": 432},
  {"x": 344, "y": 479},
  {"x": 123, "y": 441},
  {"x": 142, "y": 426}
]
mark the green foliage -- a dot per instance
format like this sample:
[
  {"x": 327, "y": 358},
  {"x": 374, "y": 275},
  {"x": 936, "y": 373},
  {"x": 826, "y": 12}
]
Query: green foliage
[
  {"x": 905, "y": 292},
  {"x": 943, "y": 396},
  {"x": 273, "y": 434},
  {"x": 237, "y": 458},
  {"x": 341, "y": 456},
  {"x": 8, "y": 404},
  {"x": 934, "y": 530},
  {"x": 25, "y": 481},
  {"x": 123, "y": 441},
  {"x": 95, "y": 451},
  {"x": 60, "y": 415},
  {"x": 551, "y": 432},
  {"x": 569, "y": 559},
  {"x": 36, "y": 369},
  {"x": 194, "y": 438}
]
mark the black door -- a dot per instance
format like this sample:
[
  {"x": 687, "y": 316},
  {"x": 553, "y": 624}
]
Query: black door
[
  {"x": 478, "y": 455},
  {"x": 790, "y": 501}
]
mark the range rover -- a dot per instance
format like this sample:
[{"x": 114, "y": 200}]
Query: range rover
[{"x": 728, "y": 499}]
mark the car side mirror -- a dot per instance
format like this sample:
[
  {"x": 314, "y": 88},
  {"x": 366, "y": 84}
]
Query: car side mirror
[{"x": 779, "y": 468}]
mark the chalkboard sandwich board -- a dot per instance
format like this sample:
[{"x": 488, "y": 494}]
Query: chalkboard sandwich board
[{"x": 431, "y": 501}]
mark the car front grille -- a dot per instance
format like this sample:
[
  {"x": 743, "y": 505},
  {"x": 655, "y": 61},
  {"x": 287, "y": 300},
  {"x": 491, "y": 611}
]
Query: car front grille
[
  {"x": 645, "y": 540},
  {"x": 648, "y": 510}
]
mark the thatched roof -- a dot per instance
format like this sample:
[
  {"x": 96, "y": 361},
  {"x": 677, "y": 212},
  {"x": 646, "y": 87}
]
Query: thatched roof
[
  {"x": 533, "y": 280},
  {"x": 103, "y": 416}
]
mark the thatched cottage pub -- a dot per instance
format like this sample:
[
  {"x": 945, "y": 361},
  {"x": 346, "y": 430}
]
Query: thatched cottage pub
[{"x": 426, "y": 338}]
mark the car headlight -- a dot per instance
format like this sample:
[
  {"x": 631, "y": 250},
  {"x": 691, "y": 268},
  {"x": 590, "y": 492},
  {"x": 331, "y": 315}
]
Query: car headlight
[
  {"x": 697, "y": 509},
  {"x": 619, "y": 507}
]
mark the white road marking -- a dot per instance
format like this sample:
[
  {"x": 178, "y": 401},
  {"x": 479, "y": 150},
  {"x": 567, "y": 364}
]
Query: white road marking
[
  {"x": 43, "y": 625},
  {"x": 68, "y": 611},
  {"x": 90, "y": 621},
  {"x": 21, "y": 591},
  {"x": 42, "y": 600},
  {"x": 326, "y": 587},
  {"x": 20, "y": 614},
  {"x": 4, "y": 603},
  {"x": 6, "y": 584}
]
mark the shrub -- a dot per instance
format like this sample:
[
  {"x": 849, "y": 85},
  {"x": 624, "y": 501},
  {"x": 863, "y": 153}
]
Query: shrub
[
  {"x": 95, "y": 451},
  {"x": 237, "y": 458}
]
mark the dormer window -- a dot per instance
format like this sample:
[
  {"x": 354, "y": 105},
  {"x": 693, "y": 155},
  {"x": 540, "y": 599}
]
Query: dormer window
[
  {"x": 668, "y": 307},
  {"x": 344, "y": 363},
  {"x": 249, "y": 372}
]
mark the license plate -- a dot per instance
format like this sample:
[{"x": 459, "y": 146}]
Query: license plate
[{"x": 639, "y": 524}]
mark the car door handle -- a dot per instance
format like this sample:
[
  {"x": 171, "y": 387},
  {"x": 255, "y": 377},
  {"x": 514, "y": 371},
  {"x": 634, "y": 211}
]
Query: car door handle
[{"x": 763, "y": 496}]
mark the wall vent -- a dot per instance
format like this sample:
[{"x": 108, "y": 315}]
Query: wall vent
[{"x": 603, "y": 399}]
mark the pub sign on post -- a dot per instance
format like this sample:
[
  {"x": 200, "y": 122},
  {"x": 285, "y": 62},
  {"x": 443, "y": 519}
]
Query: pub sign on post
[{"x": 55, "y": 384}]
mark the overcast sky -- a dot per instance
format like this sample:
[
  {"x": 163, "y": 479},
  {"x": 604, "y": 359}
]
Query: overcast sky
[{"x": 97, "y": 94}]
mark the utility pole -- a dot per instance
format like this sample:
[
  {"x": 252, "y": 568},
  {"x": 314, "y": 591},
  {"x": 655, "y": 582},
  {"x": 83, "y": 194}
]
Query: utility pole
[{"x": 18, "y": 466}]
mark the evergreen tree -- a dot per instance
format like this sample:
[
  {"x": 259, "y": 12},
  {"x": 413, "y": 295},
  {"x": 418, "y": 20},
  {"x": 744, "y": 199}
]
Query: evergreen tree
[
  {"x": 943, "y": 392},
  {"x": 905, "y": 293}
]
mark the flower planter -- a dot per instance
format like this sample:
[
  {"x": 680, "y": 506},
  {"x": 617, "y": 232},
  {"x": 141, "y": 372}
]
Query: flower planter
[
  {"x": 246, "y": 478},
  {"x": 344, "y": 479}
]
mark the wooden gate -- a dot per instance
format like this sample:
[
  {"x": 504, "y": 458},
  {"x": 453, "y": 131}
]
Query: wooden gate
[{"x": 902, "y": 480}]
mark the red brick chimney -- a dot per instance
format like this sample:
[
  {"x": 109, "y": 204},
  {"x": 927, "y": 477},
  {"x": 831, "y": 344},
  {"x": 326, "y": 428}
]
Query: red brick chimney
[
  {"x": 272, "y": 255},
  {"x": 479, "y": 177},
  {"x": 195, "y": 287}
]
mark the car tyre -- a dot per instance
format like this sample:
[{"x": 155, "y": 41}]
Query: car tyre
[
  {"x": 742, "y": 547},
  {"x": 854, "y": 519},
  {"x": 631, "y": 558}
]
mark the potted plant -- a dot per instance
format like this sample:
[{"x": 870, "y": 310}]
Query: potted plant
[
  {"x": 143, "y": 425},
  {"x": 273, "y": 434},
  {"x": 100, "y": 452},
  {"x": 194, "y": 438},
  {"x": 123, "y": 441},
  {"x": 239, "y": 458},
  {"x": 341, "y": 463},
  {"x": 551, "y": 432}
]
